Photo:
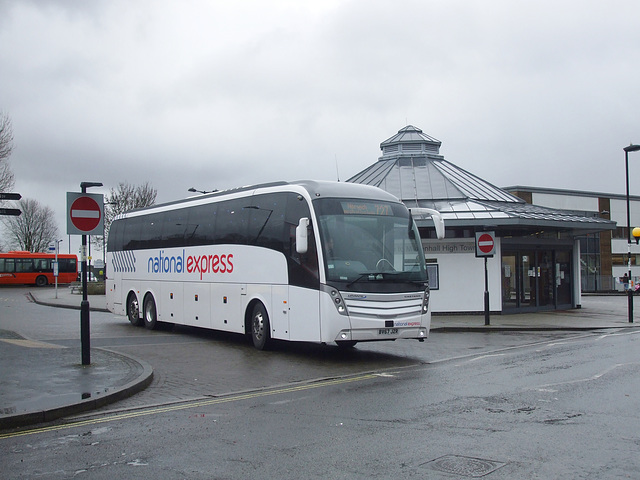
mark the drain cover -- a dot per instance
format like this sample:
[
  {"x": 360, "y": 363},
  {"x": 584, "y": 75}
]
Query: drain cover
[{"x": 465, "y": 466}]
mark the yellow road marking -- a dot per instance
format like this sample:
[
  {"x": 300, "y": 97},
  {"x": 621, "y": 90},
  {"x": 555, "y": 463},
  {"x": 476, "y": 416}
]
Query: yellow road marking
[
  {"x": 189, "y": 405},
  {"x": 30, "y": 343}
]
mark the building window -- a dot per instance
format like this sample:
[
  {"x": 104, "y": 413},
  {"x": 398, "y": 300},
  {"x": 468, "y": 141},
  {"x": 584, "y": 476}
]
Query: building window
[
  {"x": 590, "y": 266},
  {"x": 433, "y": 272}
]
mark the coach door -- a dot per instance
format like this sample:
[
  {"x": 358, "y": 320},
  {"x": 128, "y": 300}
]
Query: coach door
[{"x": 280, "y": 327}]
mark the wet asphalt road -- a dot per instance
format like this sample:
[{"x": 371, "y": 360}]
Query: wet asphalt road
[{"x": 502, "y": 405}]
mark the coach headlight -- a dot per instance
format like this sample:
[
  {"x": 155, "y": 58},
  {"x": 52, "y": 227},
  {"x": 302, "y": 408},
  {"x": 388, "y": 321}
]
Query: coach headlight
[
  {"x": 337, "y": 300},
  {"x": 425, "y": 301}
]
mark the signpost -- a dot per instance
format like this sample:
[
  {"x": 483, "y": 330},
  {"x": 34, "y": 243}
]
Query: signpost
[
  {"x": 85, "y": 216},
  {"x": 10, "y": 196},
  {"x": 485, "y": 247},
  {"x": 53, "y": 247},
  {"x": 10, "y": 211}
]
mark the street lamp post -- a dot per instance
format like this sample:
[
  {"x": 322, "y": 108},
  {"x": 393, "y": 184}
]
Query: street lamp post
[
  {"x": 194, "y": 190},
  {"x": 630, "y": 148}
]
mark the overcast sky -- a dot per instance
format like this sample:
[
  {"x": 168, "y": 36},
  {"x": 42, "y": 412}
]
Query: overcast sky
[{"x": 218, "y": 94}]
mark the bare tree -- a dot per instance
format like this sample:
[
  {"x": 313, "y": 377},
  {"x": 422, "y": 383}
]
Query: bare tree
[
  {"x": 34, "y": 229},
  {"x": 7, "y": 179},
  {"x": 126, "y": 197}
]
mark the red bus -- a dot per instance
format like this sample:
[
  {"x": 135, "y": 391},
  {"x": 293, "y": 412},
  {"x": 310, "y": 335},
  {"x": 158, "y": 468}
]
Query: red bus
[{"x": 36, "y": 268}]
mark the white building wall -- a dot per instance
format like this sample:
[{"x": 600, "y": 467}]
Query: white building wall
[
  {"x": 619, "y": 212},
  {"x": 621, "y": 246},
  {"x": 461, "y": 276}
]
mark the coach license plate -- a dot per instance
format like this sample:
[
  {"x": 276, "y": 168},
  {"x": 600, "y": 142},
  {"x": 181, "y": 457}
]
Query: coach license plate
[{"x": 387, "y": 331}]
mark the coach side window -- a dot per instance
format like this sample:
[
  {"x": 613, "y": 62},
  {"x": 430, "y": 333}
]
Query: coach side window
[
  {"x": 232, "y": 222},
  {"x": 114, "y": 240},
  {"x": 131, "y": 235},
  {"x": 199, "y": 225},
  {"x": 174, "y": 226},
  {"x": 266, "y": 220},
  {"x": 151, "y": 231}
]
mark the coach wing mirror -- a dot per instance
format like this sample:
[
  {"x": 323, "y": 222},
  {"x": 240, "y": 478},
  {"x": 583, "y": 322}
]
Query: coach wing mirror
[
  {"x": 302, "y": 242},
  {"x": 438, "y": 222}
]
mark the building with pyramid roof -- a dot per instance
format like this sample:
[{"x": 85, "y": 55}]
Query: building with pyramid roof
[{"x": 536, "y": 261}]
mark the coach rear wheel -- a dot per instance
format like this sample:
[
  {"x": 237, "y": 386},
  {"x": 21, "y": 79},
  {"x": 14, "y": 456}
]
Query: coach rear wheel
[
  {"x": 150, "y": 314},
  {"x": 133, "y": 310},
  {"x": 260, "y": 328},
  {"x": 41, "y": 281}
]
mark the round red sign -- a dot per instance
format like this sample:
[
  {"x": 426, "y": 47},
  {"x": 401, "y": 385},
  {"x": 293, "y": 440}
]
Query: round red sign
[
  {"x": 485, "y": 243},
  {"x": 85, "y": 213}
]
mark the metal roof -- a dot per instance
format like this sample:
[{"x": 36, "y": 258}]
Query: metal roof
[{"x": 412, "y": 169}]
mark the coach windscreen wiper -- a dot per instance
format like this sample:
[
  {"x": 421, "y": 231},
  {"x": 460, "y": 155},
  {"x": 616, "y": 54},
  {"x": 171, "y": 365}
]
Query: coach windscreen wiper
[{"x": 374, "y": 276}]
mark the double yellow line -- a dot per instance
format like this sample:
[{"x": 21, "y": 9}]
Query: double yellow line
[{"x": 189, "y": 405}]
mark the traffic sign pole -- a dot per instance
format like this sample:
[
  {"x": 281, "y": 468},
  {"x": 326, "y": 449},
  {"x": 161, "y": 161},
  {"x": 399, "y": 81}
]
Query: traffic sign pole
[
  {"x": 485, "y": 247},
  {"x": 85, "y": 338},
  {"x": 487, "y": 320}
]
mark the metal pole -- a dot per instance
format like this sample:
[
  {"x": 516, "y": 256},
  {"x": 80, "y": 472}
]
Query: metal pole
[
  {"x": 85, "y": 337},
  {"x": 629, "y": 290},
  {"x": 57, "y": 267},
  {"x": 487, "y": 320}
]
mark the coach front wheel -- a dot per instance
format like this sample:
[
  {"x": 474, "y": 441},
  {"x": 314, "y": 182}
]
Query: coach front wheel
[
  {"x": 41, "y": 281},
  {"x": 133, "y": 310},
  {"x": 150, "y": 313},
  {"x": 260, "y": 328}
]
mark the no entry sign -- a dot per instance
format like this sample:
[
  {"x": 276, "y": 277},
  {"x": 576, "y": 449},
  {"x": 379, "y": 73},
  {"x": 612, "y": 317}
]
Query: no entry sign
[
  {"x": 485, "y": 244},
  {"x": 85, "y": 214}
]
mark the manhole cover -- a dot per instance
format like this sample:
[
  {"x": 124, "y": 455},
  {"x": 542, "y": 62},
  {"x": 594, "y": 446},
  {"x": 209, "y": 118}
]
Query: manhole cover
[{"x": 465, "y": 466}]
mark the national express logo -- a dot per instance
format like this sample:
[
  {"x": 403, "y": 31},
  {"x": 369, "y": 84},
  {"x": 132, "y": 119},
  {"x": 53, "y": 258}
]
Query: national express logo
[{"x": 199, "y": 264}]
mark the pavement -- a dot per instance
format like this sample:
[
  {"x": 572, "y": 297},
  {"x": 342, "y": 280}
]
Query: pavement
[{"x": 41, "y": 382}]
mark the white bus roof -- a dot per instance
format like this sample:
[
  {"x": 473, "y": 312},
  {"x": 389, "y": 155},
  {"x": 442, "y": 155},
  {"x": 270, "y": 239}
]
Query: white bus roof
[{"x": 314, "y": 188}]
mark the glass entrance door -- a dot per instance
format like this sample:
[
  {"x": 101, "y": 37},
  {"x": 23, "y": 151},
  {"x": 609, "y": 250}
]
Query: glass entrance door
[
  {"x": 563, "y": 279},
  {"x": 528, "y": 274},
  {"x": 545, "y": 279},
  {"x": 509, "y": 281},
  {"x": 535, "y": 279}
]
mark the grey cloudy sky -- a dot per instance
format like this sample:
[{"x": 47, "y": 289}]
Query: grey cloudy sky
[{"x": 217, "y": 94}]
